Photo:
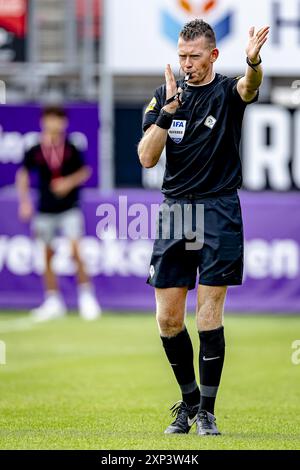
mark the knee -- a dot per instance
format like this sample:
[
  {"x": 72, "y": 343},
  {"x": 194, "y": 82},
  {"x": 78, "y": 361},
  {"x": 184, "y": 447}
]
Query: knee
[
  {"x": 213, "y": 297},
  {"x": 169, "y": 325},
  {"x": 49, "y": 253},
  {"x": 210, "y": 313},
  {"x": 76, "y": 252}
]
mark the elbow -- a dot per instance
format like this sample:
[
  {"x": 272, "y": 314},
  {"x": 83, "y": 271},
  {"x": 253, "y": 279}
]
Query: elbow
[
  {"x": 87, "y": 173},
  {"x": 147, "y": 157},
  {"x": 20, "y": 175},
  {"x": 146, "y": 161},
  {"x": 250, "y": 95}
]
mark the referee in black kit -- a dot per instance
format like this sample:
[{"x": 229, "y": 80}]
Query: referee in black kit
[{"x": 199, "y": 120}]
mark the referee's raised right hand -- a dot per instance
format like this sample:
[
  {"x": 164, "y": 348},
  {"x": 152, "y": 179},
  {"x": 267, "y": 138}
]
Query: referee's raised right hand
[{"x": 171, "y": 90}]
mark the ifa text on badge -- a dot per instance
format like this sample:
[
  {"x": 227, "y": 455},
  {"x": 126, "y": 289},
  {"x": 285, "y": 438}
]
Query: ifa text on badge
[{"x": 177, "y": 130}]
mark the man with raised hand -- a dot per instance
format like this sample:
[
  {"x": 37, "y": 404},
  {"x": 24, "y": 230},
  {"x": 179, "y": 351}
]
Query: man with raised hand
[{"x": 199, "y": 121}]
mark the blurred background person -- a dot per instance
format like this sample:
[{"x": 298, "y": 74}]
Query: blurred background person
[{"x": 61, "y": 171}]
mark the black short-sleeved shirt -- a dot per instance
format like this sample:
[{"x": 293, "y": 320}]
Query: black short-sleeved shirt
[
  {"x": 202, "y": 149},
  {"x": 72, "y": 161}
]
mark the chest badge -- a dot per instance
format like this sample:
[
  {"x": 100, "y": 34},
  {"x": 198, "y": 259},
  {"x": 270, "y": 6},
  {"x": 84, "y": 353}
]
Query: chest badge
[
  {"x": 210, "y": 121},
  {"x": 177, "y": 130}
]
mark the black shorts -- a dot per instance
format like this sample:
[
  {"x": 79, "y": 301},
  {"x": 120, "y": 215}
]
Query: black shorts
[{"x": 217, "y": 254}]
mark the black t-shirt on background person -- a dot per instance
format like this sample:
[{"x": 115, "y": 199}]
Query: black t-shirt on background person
[
  {"x": 36, "y": 159},
  {"x": 202, "y": 148}
]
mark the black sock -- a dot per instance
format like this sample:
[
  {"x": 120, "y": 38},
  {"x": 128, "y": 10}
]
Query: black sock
[
  {"x": 179, "y": 351},
  {"x": 211, "y": 359}
]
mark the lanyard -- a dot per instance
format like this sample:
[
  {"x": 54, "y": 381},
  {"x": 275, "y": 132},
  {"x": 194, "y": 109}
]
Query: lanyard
[{"x": 54, "y": 155}]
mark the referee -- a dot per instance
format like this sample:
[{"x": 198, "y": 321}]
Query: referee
[{"x": 199, "y": 121}]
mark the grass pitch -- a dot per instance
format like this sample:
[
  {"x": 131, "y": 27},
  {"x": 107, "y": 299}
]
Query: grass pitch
[{"x": 107, "y": 385}]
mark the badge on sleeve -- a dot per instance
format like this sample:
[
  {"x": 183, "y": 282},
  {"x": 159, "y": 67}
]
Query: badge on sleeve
[{"x": 151, "y": 105}]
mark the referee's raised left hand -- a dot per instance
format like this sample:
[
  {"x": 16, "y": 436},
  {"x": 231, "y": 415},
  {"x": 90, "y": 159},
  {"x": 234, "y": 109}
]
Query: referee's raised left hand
[
  {"x": 256, "y": 41},
  {"x": 171, "y": 90}
]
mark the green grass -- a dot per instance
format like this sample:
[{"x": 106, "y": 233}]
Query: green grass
[{"x": 107, "y": 385}]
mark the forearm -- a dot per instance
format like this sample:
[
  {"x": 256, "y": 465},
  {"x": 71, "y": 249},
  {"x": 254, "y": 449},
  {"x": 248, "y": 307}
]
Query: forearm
[
  {"x": 23, "y": 184},
  {"x": 79, "y": 177},
  {"x": 253, "y": 79},
  {"x": 151, "y": 146}
]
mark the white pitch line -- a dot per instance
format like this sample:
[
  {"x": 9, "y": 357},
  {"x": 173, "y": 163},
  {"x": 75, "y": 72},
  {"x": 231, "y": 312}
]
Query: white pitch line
[{"x": 19, "y": 324}]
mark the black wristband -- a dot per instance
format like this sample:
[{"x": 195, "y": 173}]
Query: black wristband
[
  {"x": 164, "y": 119},
  {"x": 253, "y": 65}
]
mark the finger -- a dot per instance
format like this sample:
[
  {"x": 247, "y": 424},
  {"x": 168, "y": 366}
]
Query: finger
[
  {"x": 263, "y": 37},
  {"x": 171, "y": 85},
  {"x": 170, "y": 79},
  {"x": 251, "y": 32},
  {"x": 259, "y": 31},
  {"x": 263, "y": 42},
  {"x": 180, "y": 91},
  {"x": 263, "y": 31},
  {"x": 169, "y": 70}
]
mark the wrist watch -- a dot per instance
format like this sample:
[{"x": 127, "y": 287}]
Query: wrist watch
[{"x": 251, "y": 64}]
